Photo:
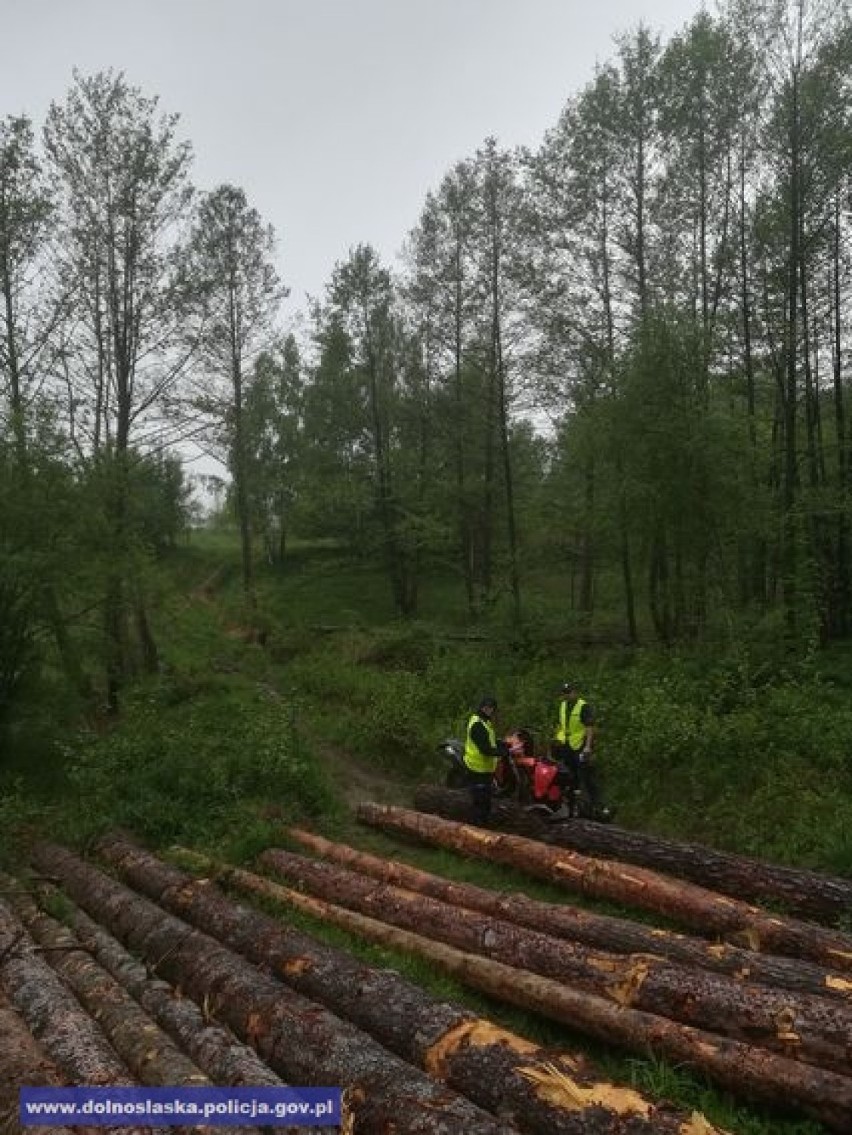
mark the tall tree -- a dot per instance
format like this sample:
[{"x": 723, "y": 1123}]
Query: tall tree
[
  {"x": 235, "y": 292},
  {"x": 443, "y": 292},
  {"x": 123, "y": 180},
  {"x": 274, "y": 435},
  {"x": 123, "y": 184},
  {"x": 29, "y": 315},
  {"x": 361, "y": 304}
]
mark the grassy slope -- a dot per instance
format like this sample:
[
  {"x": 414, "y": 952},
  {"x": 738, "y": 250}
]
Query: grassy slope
[{"x": 233, "y": 739}]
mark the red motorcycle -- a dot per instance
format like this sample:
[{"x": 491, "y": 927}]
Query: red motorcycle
[{"x": 542, "y": 784}]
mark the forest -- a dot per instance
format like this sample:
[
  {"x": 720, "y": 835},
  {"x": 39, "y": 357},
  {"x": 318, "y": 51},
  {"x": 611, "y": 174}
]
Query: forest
[
  {"x": 594, "y": 424},
  {"x": 624, "y": 355}
]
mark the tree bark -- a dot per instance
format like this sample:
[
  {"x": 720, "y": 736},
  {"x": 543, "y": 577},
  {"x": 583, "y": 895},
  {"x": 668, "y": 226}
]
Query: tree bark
[
  {"x": 806, "y": 893},
  {"x": 296, "y": 1037},
  {"x": 214, "y": 1049},
  {"x": 617, "y": 934},
  {"x": 738, "y": 1067},
  {"x": 546, "y": 1093},
  {"x": 147, "y": 1051},
  {"x": 685, "y": 903},
  {"x": 800, "y": 1026},
  {"x": 23, "y": 1063},
  {"x": 55, "y": 1018},
  {"x": 497, "y": 1070}
]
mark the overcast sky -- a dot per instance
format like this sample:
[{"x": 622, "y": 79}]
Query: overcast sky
[{"x": 335, "y": 116}]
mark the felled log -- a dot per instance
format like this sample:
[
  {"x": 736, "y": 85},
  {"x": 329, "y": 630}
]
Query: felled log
[
  {"x": 740, "y": 1068},
  {"x": 801, "y": 1026},
  {"x": 54, "y": 1017},
  {"x": 684, "y": 903},
  {"x": 148, "y": 1052},
  {"x": 57, "y": 1021},
  {"x": 545, "y": 1093},
  {"x": 619, "y": 935},
  {"x": 22, "y": 1063},
  {"x": 473, "y": 1055},
  {"x": 215, "y": 1049},
  {"x": 299, "y": 1039},
  {"x": 805, "y": 893}
]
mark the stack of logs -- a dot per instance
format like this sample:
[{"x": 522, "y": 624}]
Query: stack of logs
[{"x": 145, "y": 973}]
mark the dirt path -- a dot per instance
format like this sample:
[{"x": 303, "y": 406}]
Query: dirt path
[{"x": 356, "y": 782}]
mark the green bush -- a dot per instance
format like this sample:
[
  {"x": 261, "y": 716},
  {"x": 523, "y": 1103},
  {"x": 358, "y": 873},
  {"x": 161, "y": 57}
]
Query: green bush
[{"x": 198, "y": 768}]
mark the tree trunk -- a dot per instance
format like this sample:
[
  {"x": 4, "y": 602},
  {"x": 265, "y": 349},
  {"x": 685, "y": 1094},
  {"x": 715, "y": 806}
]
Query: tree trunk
[
  {"x": 543, "y": 1092},
  {"x": 296, "y": 1037},
  {"x": 617, "y": 934},
  {"x": 23, "y": 1063},
  {"x": 70, "y": 1038},
  {"x": 738, "y": 1067},
  {"x": 790, "y": 479},
  {"x": 684, "y": 903},
  {"x": 214, "y": 1049},
  {"x": 147, "y": 1051},
  {"x": 55, "y": 1018},
  {"x": 811, "y": 1029},
  {"x": 626, "y": 560},
  {"x": 807, "y": 893}
]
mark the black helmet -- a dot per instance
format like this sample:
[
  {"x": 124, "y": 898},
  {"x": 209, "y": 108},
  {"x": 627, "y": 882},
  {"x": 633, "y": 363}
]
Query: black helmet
[
  {"x": 567, "y": 687},
  {"x": 487, "y": 701}
]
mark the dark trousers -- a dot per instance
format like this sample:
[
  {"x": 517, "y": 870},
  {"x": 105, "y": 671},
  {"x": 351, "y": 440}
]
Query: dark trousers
[
  {"x": 580, "y": 774},
  {"x": 479, "y": 786}
]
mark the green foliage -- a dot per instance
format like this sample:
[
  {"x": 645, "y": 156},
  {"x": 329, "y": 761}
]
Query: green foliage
[
  {"x": 18, "y": 654},
  {"x": 733, "y": 752},
  {"x": 196, "y": 768}
]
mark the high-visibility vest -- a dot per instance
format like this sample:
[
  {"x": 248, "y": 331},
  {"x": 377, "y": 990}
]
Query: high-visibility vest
[
  {"x": 571, "y": 730},
  {"x": 474, "y": 758}
]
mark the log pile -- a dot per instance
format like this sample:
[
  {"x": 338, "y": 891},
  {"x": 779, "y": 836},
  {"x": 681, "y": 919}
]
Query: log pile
[
  {"x": 164, "y": 977},
  {"x": 686, "y": 904},
  {"x": 812, "y": 1029},
  {"x": 606, "y": 932},
  {"x": 823, "y": 898},
  {"x": 453, "y": 1071},
  {"x": 300, "y": 1040},
  {"x": 742, "y": 1068},
  {"x": 23, "y": 1062},
  {"x": 544, "y": 1093}
]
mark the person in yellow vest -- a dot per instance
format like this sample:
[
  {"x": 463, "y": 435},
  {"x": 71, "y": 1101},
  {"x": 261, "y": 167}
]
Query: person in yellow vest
[
  {"x": 574, "y": 742},
  {"x": 481, "y": 751}
]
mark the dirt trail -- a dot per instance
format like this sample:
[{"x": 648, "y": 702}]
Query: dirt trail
[{"x": 356, "y": 782}]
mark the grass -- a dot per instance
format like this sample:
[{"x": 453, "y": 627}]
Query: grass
[{"x": 217, "y": 750}]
